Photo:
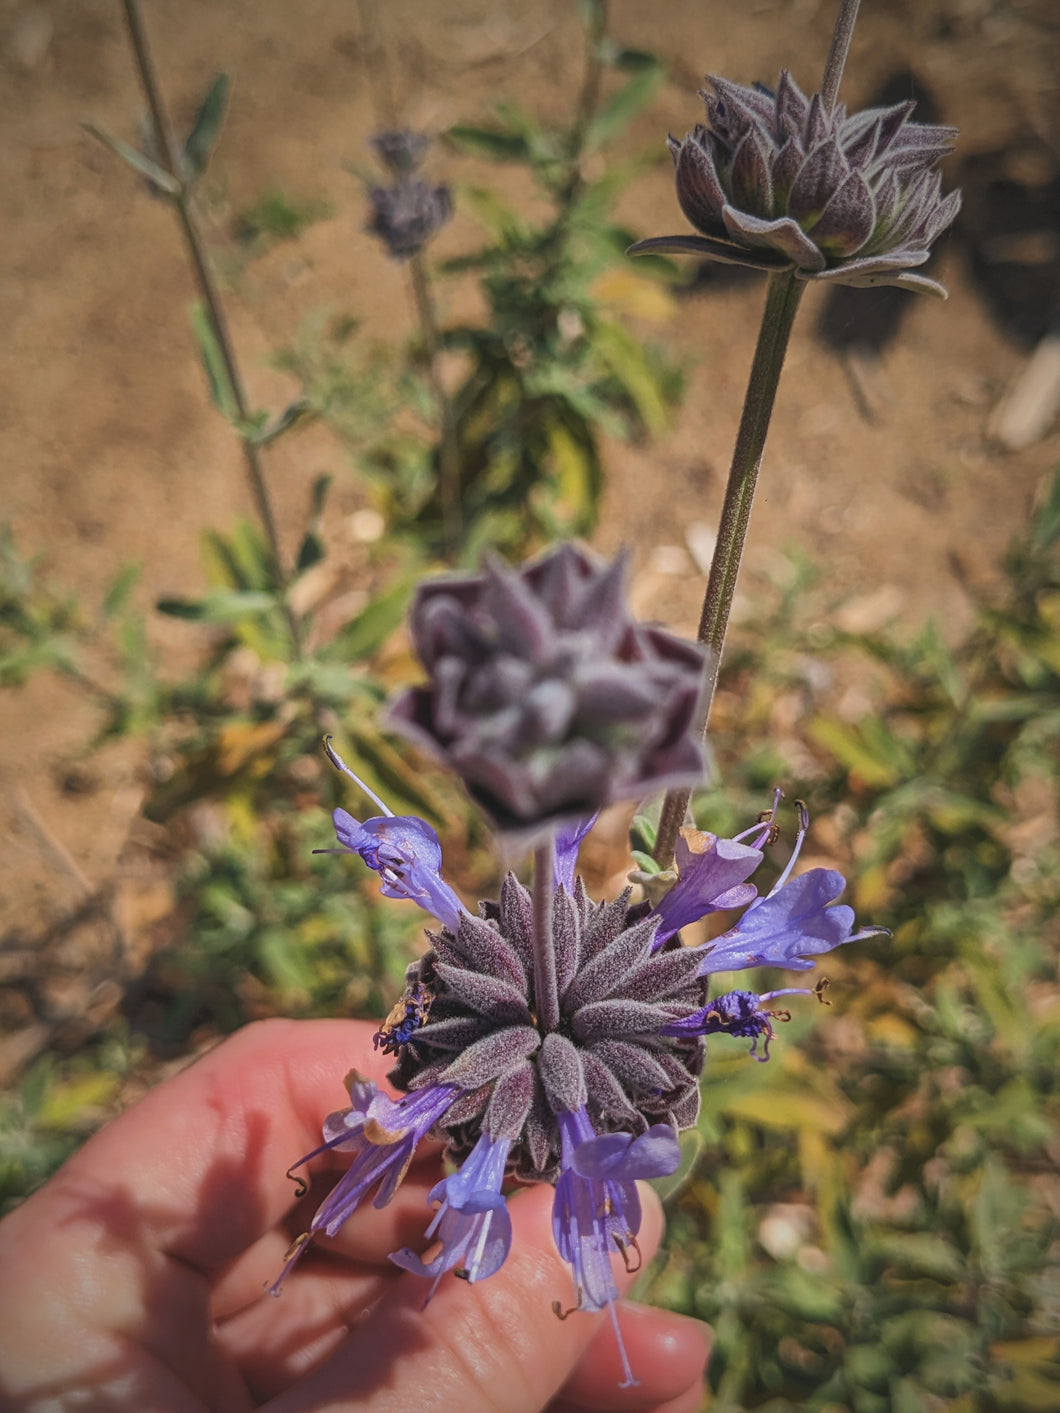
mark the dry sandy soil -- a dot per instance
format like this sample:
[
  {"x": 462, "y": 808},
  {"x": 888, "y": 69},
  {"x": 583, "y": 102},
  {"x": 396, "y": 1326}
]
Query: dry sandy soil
[{"x": 112, "y": 451}]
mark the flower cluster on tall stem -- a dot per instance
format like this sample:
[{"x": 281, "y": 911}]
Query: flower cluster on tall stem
[
  {"x": 796, "y": 187},
  {"x": 547, "y": 1037}
]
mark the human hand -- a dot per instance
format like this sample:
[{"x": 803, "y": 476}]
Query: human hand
[{"x": 134, "y": 1279}]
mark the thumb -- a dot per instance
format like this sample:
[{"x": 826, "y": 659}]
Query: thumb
[{"x": 492, "y": 1347}]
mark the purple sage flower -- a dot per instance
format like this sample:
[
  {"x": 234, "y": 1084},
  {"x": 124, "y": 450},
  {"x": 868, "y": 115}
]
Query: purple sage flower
[
  {"x": 545, "y": 696},
  {"x": 594, "y": 1103},
  {"x": 472, "y": 1221},
  {"x": 549, "y": 1037},
  {"x": 382, "y": 1133},
  {"x": 597, "y": 1208},
  {"x": 401, "y": 150},
  {"x": 743, "y": 1013},
  {"x": 411, "y": 211},
  {"x": 775, "y": 179},
  {"x": 406, "y": 215}
]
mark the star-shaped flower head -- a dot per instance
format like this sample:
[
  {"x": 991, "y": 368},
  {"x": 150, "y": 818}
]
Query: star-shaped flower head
[
  {"x": 545, "y": 696},
  {"x": 776, "y": 179}
]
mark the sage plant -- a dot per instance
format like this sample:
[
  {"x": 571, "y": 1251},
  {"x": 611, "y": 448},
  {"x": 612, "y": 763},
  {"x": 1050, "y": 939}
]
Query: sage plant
[
  {"x": 799, "y": 188},
  {"x": 550, "y": 1037}
]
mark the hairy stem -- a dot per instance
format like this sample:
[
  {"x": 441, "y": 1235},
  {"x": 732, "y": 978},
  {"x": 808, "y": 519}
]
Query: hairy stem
[
  {"x": 782, "y": 301},
  {"x": 546, "y": 988},
  {"x": 204, "y": 277},
  {"x": 837, "y": 55},
  {"x": 449, "y": 492}
]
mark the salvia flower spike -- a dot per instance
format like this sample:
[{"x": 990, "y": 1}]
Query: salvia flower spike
[
  {"x": 776, "y": 180},
  {"x": 411, "y": 210},
  {"x": 592, "y": 1098}
]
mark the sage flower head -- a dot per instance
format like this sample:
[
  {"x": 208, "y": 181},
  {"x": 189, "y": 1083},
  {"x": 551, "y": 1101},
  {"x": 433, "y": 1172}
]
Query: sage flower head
[
  {"x": 401, "y": 150},
  {"x": 591, "y": 1102},
  {"x": 406, "y": 215},
  {"x": 545, "y": 696},
  {"x": 546, "y": 1036},
  {"x": 775, "y": 179}
]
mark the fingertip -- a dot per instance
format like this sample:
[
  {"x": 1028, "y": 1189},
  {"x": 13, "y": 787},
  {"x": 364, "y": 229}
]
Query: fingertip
[{"x": 667, "y": 1352}]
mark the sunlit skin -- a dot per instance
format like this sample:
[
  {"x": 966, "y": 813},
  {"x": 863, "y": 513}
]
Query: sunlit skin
[{"x": 134, "y": 1279}]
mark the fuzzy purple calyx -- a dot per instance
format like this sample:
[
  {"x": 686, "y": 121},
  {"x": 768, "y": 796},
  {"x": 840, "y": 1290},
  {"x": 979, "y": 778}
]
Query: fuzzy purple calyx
[{"x": 776, "y": 179}]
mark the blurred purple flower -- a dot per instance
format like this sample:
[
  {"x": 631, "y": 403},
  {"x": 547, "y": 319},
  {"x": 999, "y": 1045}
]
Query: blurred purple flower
[
  {"x": 545, "y": 696},
  {"x": 406, "y": 215}
]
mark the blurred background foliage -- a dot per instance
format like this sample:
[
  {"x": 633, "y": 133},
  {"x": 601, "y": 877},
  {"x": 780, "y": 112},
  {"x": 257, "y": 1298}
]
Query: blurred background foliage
[{"x": 869, "y": 1221}]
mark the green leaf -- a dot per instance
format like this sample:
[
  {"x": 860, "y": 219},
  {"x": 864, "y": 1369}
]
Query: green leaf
[
  {"x": 499, "y": 144},
  {"x": 643, "y": 831},
  {"x": 319, "y": 494},
  {"x": 310, "y": 552},
  {"x": 221, "y": 392},
  {"x": 219, "y": 606},
  {"x": 869, "y": 751},
  {"x": 501, "y": 220},
  {"x": 297, "y": 411},
  {"x": 620, "y": 110},
  {"x": 634, "y": 61},
  {"x": 240, "y": 559},
  {"x": 156, "y": 175},
  {"x": 921, "y": 1254},
  {"x": 122, "y": 585},
  {"x": 284, "y": 963},
  {"x": 65, "y": 1104},
  {"x": 574, "y": 456},
  {"x": 624, "y": 357},
  {"x": 205, "y": 130},
  {"x": 365, "y": 635}
]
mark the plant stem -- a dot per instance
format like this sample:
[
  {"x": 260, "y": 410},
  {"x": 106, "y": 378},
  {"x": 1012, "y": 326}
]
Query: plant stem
[
  {"x": 378, "y": 69},
  {"x": 449, "y": 491},
  {"x": 782, "y": 301},
  {"x": 595, "y": 34},
  {"x": 837, "y": 55},
  {"x": 208, "y": 289},
  {"x": 546, "y": 988}
]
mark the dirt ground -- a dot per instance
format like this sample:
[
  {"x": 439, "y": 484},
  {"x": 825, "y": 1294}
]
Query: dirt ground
[{"x": 111, "y": 450}]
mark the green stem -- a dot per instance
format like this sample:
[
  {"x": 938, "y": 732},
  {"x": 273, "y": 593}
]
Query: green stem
[
  {"x": 208, "y": 289},
  {"x": 449, "y": 490},
  {"x": 546, "y": 987},
  {"x": 588, "y": 98},
  {"x": 377, "y": 65},
  {"x": 782, "y": 302}
]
